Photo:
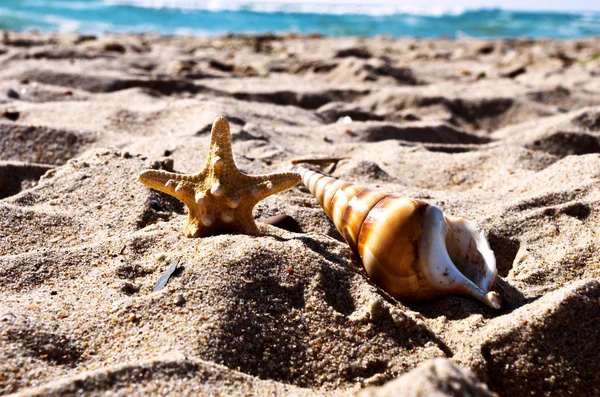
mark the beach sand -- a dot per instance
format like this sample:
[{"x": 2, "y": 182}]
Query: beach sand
[{"x": 506, "y": 133}]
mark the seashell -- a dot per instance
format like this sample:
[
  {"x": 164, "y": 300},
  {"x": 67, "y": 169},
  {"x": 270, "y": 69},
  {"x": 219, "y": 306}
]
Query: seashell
[{"x": 408, "y": 247}]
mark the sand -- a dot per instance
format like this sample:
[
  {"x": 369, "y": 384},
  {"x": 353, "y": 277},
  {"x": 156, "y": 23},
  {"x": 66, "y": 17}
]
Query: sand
[{"x": 506, "y": 133}]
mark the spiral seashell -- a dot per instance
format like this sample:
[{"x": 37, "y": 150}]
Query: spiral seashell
[{"x": 408, "y": 247}]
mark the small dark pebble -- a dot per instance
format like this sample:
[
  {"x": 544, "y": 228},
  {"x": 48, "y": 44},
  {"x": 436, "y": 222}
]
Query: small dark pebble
[
  {"x": 12, "y": 94},
  {"x": 179, "y": 300},
  {"x": 167, "y": 163},
  {"x": 283, "y": 221},
  {"x": 128, "y": 288},
  {"x": 53, "y": 293},
  {"x": 11, "y": 115}
]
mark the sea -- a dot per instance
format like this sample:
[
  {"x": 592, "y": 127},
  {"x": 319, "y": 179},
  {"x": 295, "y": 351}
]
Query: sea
[{"x": 327, "y": 17}]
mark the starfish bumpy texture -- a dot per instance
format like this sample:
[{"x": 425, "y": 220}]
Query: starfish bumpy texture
[{"x": 220, "y": 198}]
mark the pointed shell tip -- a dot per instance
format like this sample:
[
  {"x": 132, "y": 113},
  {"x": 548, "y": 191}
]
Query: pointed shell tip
[{"x": 493, "y": 300}]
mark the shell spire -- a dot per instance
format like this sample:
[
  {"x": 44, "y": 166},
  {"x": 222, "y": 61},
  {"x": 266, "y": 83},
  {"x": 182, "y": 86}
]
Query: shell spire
[{"x": 408, "y": 247}]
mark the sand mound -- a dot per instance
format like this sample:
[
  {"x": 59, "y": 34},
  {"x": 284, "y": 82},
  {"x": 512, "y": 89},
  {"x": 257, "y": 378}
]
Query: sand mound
[
  {"x": 42, "y": 144},
  {"x": 502, "y": 132},
  {"x": 167, "y": 376},
  {"x": 573, "y": 133},
  {"x": 546, "y": 346},
  {"x": 437, "y": 378}
]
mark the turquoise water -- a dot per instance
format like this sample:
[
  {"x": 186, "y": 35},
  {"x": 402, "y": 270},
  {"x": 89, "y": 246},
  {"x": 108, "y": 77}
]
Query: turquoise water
[{"x": 216, "y": 17}]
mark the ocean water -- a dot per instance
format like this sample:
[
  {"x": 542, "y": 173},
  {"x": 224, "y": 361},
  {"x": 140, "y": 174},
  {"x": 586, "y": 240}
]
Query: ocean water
[{"x": 333, "y": 17}]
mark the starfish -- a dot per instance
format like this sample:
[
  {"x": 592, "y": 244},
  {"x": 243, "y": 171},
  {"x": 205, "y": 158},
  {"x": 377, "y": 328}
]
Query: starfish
[{"x": 220, "y": 198}]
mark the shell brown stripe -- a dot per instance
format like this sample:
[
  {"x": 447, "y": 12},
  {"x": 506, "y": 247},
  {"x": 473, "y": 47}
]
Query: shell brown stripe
[
  {"x": 392, "y": 233},
  {"x": 356, "y": 212},
  {"x": 340, "y": 201},
  {"x": 320, "y": 188}
]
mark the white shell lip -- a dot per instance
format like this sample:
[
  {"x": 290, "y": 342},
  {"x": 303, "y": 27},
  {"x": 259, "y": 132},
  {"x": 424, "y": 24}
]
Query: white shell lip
[
  {"x": 475, "y": 251},
  {"x": 457, "y": 256}
]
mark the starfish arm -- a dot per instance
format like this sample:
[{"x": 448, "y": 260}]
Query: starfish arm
[
  {"x": 266, "y": 185},
  {"x": 245, "y": 223},
  {"x": 220, "y": 154},
  {"x": 176, "y": 185}
]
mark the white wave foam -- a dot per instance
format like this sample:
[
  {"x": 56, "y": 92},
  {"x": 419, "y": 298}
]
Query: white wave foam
[
  {"x": 197, "y": 32},
  {"x": 55, "y": 23},
  {"x": 69, "y": 5},
  {"x": 334, "y": 7}
]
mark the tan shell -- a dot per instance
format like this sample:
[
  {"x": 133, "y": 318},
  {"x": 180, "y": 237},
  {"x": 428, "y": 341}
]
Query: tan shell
[{"x": 408, "y": 247}]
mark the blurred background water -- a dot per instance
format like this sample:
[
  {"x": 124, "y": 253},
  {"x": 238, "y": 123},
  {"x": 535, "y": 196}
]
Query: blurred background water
[{"x": 329, "y": 17}]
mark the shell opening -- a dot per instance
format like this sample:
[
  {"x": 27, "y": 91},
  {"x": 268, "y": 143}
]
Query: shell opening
[
  {"x": 470, "y": 252},
  {"x": 459, "y": 256}
]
